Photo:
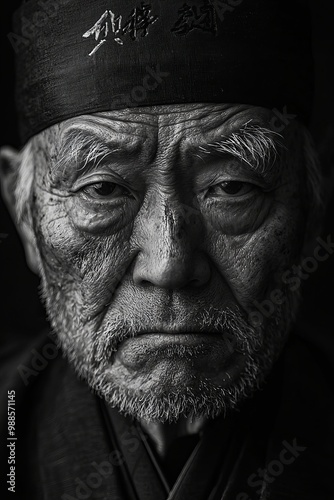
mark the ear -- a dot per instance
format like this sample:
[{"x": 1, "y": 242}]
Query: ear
[{"x": 10, "y": 161}]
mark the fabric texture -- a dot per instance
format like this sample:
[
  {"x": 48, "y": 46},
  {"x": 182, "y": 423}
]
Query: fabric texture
[
  {"x": 279, "y": 445},
  {"x": 98, "y": 56}
]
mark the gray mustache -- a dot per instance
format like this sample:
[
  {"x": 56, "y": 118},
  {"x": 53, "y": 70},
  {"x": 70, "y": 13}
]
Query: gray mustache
[{"x": 231, "y": 324}]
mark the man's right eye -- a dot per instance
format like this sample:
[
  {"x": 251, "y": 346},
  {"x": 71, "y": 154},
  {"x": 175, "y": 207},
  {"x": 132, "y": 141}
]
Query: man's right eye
[
  {"x": 231, "y": 188},
  {"x": 104, "y": 190}
]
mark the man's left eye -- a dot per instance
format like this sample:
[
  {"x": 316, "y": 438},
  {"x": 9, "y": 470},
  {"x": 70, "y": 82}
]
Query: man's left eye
[
  {"x": 230, "y": 188},
  {"x": 104, "y": 189}
]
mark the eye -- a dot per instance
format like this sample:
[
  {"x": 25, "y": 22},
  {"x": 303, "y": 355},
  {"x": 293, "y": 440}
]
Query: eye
[
  {"x": 230, "y": 188},
  {"x": 104, "y": 190}
]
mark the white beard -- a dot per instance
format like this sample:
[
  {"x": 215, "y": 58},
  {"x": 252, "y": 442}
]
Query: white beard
[{"x": 90, "y": 349}]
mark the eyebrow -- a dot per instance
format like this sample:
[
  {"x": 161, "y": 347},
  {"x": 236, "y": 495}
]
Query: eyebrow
[
  {"x": 254, "y": 145},
  {"x": 84, "y": 148}
]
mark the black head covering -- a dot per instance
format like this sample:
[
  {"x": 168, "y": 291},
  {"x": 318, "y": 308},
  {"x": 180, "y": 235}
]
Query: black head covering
[{"x": 77, "y": 56}]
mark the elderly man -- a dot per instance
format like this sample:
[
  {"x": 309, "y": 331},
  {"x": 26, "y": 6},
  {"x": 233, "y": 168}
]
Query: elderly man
[{"x": 165, "y": 192}]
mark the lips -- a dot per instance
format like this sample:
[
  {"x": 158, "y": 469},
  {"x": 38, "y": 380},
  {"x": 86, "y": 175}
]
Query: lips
[
  {"x": 194, "y": 343},
  {"x": 156, "y": 340},
  {"x": 188, "y": 337},
  {"x": 166, "y": 340},
  {"x": 150, "y": 349}
]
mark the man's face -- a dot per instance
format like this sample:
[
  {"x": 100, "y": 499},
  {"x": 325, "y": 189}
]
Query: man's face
[{"x": 158, "y": 229}]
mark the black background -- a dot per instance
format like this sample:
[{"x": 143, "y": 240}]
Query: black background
[{"x": 21, "y": 311}]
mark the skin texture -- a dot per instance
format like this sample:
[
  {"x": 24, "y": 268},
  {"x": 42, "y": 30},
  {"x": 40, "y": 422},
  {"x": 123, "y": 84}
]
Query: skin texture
[{"x": 149, "y": 284}]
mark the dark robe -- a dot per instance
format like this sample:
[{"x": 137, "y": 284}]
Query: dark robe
[{"x": 70, "y": 445}]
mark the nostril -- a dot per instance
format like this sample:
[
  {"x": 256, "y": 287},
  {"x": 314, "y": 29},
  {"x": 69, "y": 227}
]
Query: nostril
[
  {"x": 145, "y": 283},
  {"x": 171, "y": 272}
]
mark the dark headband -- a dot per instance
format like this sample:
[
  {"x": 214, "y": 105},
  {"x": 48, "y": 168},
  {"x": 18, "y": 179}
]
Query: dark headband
[{"x": 81, "y": 56}]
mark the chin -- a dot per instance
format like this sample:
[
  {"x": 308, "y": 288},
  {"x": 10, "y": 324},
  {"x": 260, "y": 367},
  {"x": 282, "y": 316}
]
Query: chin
[
  {"x": 161, "y": 376},
  {"x": 175, "y": 388}
]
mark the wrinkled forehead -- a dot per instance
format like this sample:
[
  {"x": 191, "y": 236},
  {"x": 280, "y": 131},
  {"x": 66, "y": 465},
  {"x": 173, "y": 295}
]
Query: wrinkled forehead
[
  {"x": 191, "y": 121},
  {"x": 165, "y": 135}
]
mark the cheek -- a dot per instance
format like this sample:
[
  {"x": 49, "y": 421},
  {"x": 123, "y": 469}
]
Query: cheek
[
  {"x": 253, "y": 263},
  {"x": 100, "y": 218},
  {"x": 237, "y": 218},
  {"x": 89, "y": 263}
]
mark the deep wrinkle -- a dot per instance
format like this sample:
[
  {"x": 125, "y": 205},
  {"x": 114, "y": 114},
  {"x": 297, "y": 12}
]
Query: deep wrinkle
[{"x": 134, "y": 264}]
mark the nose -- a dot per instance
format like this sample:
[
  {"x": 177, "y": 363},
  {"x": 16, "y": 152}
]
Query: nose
[{"x": 169, "y": 256}]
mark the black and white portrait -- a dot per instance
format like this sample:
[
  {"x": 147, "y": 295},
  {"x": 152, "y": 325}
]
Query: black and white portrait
[{"x": 167, "y": 250}]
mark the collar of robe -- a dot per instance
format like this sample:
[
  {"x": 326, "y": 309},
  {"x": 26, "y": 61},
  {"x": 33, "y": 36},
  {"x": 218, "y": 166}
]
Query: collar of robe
[{"x": 277, "y": 446}]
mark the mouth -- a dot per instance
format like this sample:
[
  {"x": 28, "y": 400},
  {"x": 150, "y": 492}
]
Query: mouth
[
  {"x": 198, "y": 340},
  {"x": 179, "y": 331},
  {"x": 189, "y": 338},
  {"x": 180, "y": 337},
  {"x": 151, "y": 347}
]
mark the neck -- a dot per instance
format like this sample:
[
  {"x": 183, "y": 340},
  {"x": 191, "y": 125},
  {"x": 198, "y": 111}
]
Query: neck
[{"x": 163, "y": 435}]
